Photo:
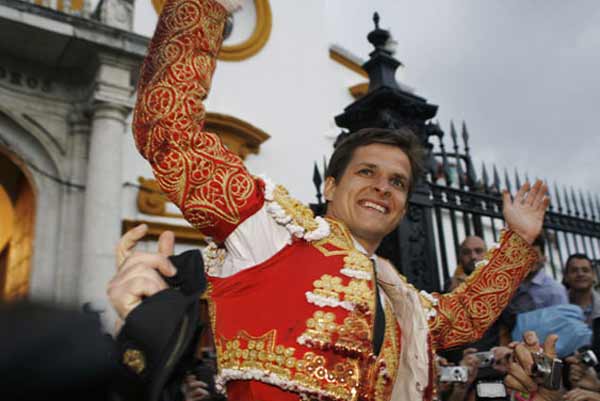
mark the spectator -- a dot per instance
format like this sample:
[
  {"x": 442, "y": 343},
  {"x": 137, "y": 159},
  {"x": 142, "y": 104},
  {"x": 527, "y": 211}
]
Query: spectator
[
  {"x": 471, "y": 251},
  {"x": 579, "y": 279},
  {"x": 538, "y": 290}
]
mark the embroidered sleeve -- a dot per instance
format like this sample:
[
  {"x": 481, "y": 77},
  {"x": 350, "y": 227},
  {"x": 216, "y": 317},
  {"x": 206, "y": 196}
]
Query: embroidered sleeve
[
  {"x": 206, "y": 181},
  {"x": 464, "y": 315}
]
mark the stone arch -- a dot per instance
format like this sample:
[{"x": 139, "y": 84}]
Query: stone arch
[{"x": 25, "y": 149}]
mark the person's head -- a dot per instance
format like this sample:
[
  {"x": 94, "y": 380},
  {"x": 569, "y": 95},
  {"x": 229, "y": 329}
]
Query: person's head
[
  {"x": 471, "y": 251},
  {"x": 579, "y": 274},
  {"x": 539, "y": 245},
  {"x": 369, "y": 179}
]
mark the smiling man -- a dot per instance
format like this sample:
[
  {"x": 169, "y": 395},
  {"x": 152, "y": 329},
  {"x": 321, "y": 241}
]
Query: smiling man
[
  {"x": 301, "y": 306},
  {"x": 579, "y": 278},
  {"x": 367, "y": 186}
]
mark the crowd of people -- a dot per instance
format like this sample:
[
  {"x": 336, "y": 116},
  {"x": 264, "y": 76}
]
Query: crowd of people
[{"x": 538, "y": 306}]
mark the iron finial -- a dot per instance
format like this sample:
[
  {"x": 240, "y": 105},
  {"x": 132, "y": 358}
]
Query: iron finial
[{"x": 376, "y": 19}]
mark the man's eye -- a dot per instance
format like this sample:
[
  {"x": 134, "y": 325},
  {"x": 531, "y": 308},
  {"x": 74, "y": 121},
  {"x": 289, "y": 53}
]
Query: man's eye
[
  {"x": 367, "y": 172},
  {"x": 398, "y": 183}
]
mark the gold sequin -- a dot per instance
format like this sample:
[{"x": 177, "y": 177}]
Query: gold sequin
[{"x": 134, "y": 360}]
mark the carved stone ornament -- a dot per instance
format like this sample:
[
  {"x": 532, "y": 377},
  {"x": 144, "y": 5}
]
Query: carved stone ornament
[{"x": 117, "y": 13}]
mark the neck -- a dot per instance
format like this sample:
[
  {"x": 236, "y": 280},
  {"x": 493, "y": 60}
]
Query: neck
[
  {"x": 369, "y": 246},
  {"x": 580, "y": 297}
]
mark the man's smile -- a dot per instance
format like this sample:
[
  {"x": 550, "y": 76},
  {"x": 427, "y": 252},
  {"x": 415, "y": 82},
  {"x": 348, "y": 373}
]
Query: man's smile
[{"x": 379, "y": 207}]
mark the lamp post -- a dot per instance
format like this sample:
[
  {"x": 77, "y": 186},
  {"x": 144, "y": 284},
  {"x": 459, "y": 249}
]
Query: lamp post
[{"x": 388, "y": 105}]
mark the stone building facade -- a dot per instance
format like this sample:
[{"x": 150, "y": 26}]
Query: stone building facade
[{"x": 67, "y": 82}]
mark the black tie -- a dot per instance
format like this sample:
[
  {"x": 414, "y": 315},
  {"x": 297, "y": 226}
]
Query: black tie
[{"x": 379, "y": 326}]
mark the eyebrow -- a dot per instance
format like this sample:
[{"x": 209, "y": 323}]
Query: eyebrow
[{"x": 365, "y": 164}]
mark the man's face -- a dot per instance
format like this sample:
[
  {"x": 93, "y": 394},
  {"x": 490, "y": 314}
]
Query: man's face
[
  {"x": 472, "y": 250},
  {"x": 370, "y": 197},
  {"x": 579, "y": 274}
]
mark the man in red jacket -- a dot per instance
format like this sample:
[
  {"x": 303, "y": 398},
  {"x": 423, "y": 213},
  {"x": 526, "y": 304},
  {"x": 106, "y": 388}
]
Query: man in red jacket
[{"x": 301, "y": 307}]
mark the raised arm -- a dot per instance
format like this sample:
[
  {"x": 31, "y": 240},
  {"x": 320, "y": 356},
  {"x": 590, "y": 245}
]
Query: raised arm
[
  {"x": 206, "y": 181},
  {"x": 465, "y": 314}
]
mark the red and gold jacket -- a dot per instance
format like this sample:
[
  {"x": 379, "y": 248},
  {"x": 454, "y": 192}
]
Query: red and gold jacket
[{"x": 300, "y": 322}]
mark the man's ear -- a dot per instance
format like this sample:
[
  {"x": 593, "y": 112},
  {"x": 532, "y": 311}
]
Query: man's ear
[{"x": 329, "y": 189}]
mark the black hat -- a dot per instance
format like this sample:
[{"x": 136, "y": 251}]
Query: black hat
[{"x": 164, "y": 327}]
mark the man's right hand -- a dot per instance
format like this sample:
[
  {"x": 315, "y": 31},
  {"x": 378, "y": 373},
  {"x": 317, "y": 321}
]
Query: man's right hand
[
  {"x": 581, "y": 375},
  {"x": 139, "y": 273}
]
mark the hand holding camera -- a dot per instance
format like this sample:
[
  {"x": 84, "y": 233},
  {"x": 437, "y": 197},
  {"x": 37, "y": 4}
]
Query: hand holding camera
[
  {"x": 534, "y": 369},
  {"x": 581, "y": 370}
]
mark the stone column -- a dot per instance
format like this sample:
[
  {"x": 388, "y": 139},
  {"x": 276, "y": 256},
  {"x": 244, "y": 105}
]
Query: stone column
[
  {"x": 102, "y": 216},
  {"x": 73, "y": 200}
]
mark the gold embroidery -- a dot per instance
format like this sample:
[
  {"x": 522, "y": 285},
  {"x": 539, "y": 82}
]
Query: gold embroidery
[
  {"x": 246, "y": 353},
  {"x": 205, "y": 180},
  {"x": 465, "y": 314},
  {"x": 355, "y": 336},
  {"x": 338, "y": 242},
  {"x": 134, "y": 360},
  {"x": 388, "y": 360},
  {"x": 320, "y": 327},
  {"x": 358, "y": 261},
  {"x": 301, "y": 214},
  {"x": 331, "y": 287}
]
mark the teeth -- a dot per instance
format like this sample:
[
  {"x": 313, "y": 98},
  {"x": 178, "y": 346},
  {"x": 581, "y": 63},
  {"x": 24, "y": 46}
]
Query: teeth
[{"x": 375, "y": 206}]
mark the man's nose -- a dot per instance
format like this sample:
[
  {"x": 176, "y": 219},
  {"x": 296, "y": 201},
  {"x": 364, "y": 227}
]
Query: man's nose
[{"x": 382, "y": 186}]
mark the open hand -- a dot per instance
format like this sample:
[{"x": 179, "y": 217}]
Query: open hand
[
  {"x": 139, "y": 273},
  {"x": 525, "y": 214}
]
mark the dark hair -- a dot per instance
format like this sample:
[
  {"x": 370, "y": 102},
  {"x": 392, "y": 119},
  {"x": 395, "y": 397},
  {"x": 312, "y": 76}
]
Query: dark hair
[
  {"x": 541, "y": 243},
  {"x": 577, "y": 256},
  {"x": 402, "y": 138}
]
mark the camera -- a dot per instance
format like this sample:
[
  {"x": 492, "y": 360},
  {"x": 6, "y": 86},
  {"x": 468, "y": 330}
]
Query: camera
[
  {"x": 548, "y": 369},
  {"x": 588, "y": 357},
  {"x": 486, "y": 359},
  {"x": 454, "y": 374}
]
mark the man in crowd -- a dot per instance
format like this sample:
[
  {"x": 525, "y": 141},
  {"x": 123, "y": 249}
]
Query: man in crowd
[
  {"x": 579, "y": 278},
  {"x": 301, "y": 307},
  {"x": 471, "y": 251}
]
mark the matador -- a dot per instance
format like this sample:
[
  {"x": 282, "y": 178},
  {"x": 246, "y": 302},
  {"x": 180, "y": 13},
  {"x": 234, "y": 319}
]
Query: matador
[{"x": 300, "y": 306}]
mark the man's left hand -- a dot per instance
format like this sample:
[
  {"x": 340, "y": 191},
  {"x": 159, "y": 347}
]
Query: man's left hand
[
  {"x": 525, "y": 213},
  {"x": 580, "y": 394}
]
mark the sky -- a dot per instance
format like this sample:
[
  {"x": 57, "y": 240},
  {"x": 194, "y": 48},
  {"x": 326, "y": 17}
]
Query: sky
[{"x": 523, "y": 74}]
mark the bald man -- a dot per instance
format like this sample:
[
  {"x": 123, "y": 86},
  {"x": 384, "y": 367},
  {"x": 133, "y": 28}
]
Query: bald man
[{"x": 471, "y": 251}]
